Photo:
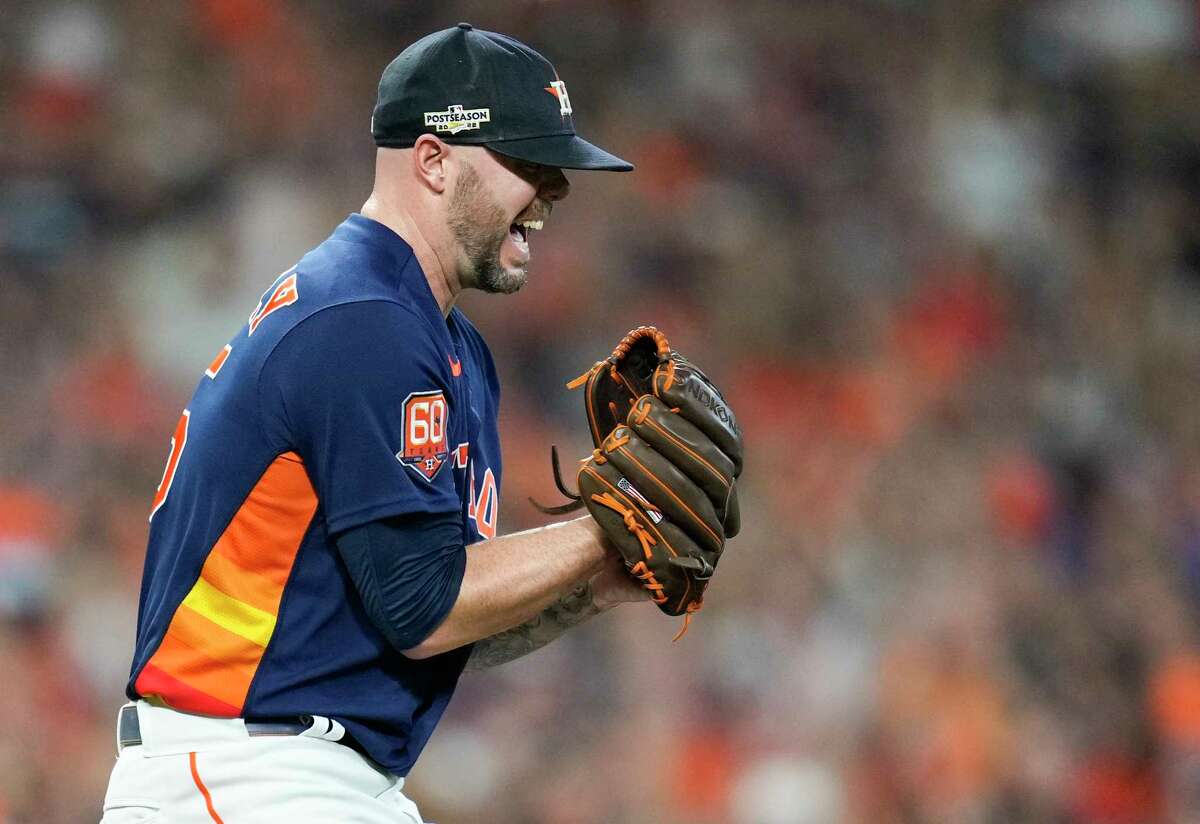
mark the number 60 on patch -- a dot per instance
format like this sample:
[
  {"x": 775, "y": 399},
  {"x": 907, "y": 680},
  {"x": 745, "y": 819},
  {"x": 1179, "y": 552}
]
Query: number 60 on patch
[{"x": 425, "y": 448}]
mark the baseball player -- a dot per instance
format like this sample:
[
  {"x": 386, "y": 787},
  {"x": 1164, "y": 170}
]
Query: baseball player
[{"x": 323, "y": 561}]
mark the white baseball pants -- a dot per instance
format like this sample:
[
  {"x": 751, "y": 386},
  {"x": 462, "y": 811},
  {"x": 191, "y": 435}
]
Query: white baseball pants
[{"x": 193, "y": 769}]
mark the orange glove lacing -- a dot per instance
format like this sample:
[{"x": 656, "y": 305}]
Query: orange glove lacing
[
  {"x": 643, "y": 574},
  {"x": 639, "y": 570},
  {"x": 629, "y": 516},
  {"x": 694, "y": 606},
  {"x": 582, "y": 379}
]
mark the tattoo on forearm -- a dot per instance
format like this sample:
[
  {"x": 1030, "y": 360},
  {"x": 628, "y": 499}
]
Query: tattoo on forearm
[{"x": 573, "y": 608}]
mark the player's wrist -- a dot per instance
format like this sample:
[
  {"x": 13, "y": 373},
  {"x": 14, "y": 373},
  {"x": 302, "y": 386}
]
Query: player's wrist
[{"x": 599, "y": 548}]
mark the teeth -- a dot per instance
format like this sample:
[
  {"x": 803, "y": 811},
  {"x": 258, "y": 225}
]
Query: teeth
[{"x": 535, "y": 225}]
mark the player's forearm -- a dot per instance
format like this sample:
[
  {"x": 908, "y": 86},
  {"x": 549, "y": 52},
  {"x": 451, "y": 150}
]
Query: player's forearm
[
  {"x": 512, "y": 579},
  {"x": 572, "y": 609}
]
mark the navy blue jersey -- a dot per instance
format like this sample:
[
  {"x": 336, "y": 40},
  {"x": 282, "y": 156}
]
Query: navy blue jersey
[{"x": 346, "y": 398}]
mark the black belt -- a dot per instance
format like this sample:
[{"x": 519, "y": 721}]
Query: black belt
[{"x": 129, "y": 730}]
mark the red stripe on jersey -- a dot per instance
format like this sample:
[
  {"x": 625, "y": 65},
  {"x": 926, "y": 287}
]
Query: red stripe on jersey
[{"x": 154, "y": 683}]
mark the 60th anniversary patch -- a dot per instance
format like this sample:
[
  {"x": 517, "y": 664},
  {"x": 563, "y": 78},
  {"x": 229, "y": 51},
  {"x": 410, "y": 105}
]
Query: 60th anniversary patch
[{"x": 425, "y": 448}]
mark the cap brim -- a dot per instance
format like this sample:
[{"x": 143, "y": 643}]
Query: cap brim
[{"x": 566, "y": 151}]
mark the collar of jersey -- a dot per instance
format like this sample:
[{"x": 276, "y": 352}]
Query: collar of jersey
[{"x": 406, "y": 269}]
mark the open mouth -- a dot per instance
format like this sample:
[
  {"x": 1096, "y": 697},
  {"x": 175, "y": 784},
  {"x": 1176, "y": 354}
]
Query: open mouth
[{"x": 520, "y": 229}]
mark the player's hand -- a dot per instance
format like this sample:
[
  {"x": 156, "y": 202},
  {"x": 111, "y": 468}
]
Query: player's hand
[{"x": 612, "y": 585}]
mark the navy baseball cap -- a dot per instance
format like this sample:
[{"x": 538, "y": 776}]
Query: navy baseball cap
[{"x": 476, "y": 87}]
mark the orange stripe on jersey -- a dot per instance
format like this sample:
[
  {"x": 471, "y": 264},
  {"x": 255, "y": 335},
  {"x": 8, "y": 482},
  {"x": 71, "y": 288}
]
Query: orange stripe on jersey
[
  {"x": 220, "y": 644},
  {"x": 182, "y": 661},
  {"x": 240, "y": 583},
  {"x": 218, "y": 362},
  {"x": 217, "y": 638},
  {"x": 276, "y": 514}
]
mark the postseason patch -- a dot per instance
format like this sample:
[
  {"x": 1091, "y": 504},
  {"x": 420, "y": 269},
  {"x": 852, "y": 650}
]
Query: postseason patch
[
  {"x": 425, "y": 449},
  {"x": 457, "y": 119}
]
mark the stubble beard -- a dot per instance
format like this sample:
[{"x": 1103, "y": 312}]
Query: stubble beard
[{"x": 478, "y": 224}]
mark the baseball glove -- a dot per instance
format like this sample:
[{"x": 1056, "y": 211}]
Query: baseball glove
[{"x": 662, "y": 479}]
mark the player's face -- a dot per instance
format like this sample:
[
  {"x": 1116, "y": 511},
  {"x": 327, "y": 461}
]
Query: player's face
[{"x": 496, "y": 204}]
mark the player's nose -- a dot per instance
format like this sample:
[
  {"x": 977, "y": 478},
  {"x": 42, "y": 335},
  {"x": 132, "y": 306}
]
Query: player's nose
[{"x": 555, "y": 186}]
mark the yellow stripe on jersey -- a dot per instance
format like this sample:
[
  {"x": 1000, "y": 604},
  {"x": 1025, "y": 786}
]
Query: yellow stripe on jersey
[{"x": 231, "y": 614}]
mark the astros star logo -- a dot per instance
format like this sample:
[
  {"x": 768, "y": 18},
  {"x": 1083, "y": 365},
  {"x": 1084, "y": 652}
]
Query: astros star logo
[{"x": 559, "y": 89}]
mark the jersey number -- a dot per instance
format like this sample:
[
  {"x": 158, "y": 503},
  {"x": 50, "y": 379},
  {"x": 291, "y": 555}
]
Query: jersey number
[
  {"x": 484, "y": 508},
  {"x": 178, "y": 442},
  {"x": 281, "y": 294},
  {"x": 284, "y": 293}
]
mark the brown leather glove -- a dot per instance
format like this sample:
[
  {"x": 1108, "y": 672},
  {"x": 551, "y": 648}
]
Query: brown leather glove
[{"x": 662, "y": 479}]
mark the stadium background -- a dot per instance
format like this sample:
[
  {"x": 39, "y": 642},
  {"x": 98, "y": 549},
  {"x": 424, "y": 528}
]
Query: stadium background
[{"x": 944, "y": 256}]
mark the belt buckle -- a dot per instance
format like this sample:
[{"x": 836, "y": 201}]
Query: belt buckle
[{"x": 129, "y": 732}]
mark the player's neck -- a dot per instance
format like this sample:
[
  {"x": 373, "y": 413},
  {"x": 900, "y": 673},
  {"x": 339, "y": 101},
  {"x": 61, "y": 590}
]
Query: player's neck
[{"x": 430, "y": 262}]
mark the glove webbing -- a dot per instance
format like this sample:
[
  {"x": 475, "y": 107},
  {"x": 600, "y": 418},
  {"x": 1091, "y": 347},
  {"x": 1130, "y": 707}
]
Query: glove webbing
[{"x": 622, "y": 349}]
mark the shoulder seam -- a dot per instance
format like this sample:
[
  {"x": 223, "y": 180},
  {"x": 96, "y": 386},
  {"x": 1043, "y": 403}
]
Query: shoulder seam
[{"x": 267, "y": 358}]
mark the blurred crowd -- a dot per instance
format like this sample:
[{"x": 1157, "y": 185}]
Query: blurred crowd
[{"x": 943, "y": 256}]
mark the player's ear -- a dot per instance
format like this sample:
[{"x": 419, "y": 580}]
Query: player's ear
[{"x": 429, "y": 157}]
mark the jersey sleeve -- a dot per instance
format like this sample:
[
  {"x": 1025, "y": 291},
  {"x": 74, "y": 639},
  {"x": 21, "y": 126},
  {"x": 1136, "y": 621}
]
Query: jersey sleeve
[
  {"x": 408, "y": 572},
  {"x": 357, "y": 390}
]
